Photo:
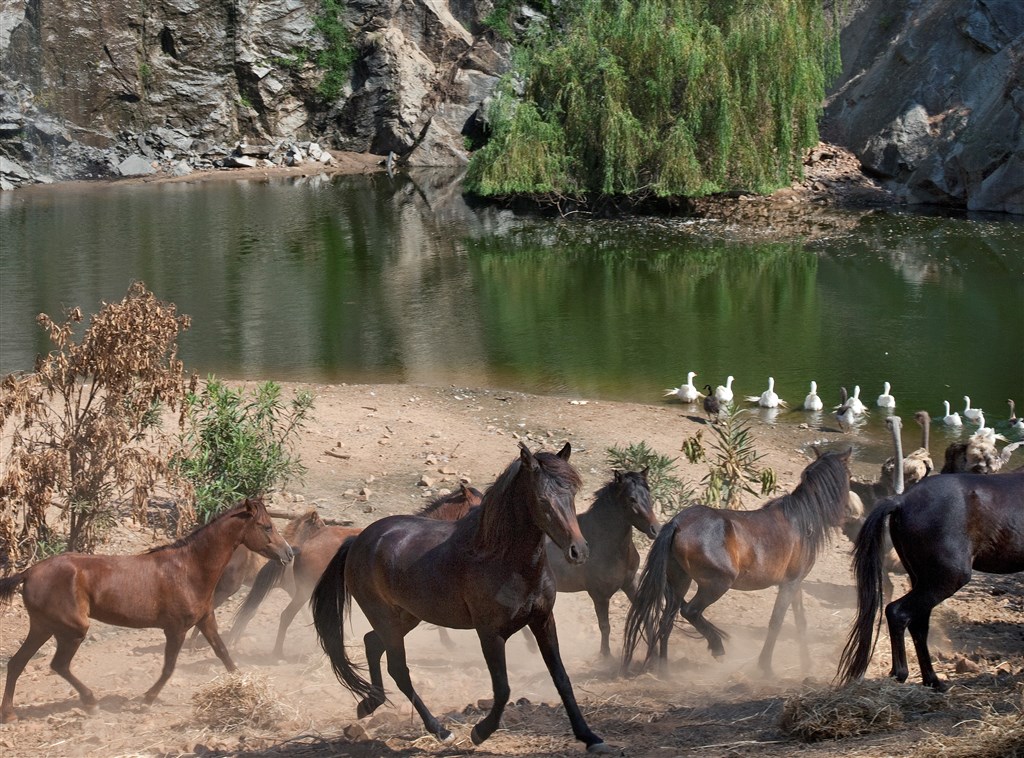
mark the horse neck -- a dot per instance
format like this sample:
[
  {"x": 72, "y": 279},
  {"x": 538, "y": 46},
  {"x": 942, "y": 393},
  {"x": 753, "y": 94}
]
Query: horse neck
[
  {"x": 506, "y": 526},
  {"x": 214, "y": 544},
  {"x": 606, "y": 518}
]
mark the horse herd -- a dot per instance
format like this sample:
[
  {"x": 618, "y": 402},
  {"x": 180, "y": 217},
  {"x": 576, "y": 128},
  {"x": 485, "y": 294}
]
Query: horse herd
[{"x": 493, "y": 562}]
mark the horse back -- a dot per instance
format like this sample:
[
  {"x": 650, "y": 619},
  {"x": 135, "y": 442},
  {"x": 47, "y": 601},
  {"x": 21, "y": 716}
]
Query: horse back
[
  {"x": 317, "y": 551},
  {"x": 976, "y": 520}
]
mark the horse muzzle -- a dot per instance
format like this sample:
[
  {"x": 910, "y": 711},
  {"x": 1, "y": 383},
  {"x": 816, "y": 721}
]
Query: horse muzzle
[
  {"x": 653, "y": 529},
  {"x": 577, "y": 552}
]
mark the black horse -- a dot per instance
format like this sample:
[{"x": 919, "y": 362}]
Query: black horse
[
  {"x": 942, "y": 529},
  {"x": 622, "y": 505},
  {"x": 487, "y": 571}
]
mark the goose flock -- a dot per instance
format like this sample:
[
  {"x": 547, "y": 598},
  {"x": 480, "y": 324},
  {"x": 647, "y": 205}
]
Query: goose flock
[{"x": 978, "y": 454}]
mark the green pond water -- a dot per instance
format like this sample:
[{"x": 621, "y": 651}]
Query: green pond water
[{"x": 377, "y": 279}]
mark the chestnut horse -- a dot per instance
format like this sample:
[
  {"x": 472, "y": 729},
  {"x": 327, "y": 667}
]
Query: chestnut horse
[
  {"x": 623, "y": 504},
  {"x": 170, "y": 587},
  {"x": 487, "y": 571},
  {"x": 943, "y": 529},
  {"x": 312, "y": 557},
  {"x": 720, "y": 550}
]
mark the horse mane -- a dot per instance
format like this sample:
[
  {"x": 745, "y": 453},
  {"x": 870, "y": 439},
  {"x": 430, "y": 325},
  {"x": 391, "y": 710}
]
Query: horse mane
[
  {"x": 450, "y": 507},
  {"x": 194, "y": 534},
  {"x": 605, "y": 496},
  {"x": 501, "y": 522},
  {"x": 818, "y": 503}
]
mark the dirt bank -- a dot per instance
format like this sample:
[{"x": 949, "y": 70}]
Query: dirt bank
[{"x": 372, "y": 451}]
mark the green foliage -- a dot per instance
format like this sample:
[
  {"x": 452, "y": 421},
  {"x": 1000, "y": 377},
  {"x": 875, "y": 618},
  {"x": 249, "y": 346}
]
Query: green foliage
[
  {"x": 667, "y": 489},
  {"x": 145, "y": 72},
  {"x": 663, "y": 98},
  {"x": 295, "y": 61},
  {"x": 233, "y": 446},
  {"x": 336, "y": 58},
  {"x": 732, "y": 462}
]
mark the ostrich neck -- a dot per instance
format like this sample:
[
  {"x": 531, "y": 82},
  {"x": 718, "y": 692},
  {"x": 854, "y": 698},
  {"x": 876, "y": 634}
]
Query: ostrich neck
[{"x": 899, "y": 455}]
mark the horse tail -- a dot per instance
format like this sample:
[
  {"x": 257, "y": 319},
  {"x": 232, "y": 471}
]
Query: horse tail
[
  {"x": 265, "y": 580},
  {"x": 329, "y": 601},
  {"x": 8, "y": 585},
  {"x": 650, "y": 602},
  {"x": 869, "y": 550}
]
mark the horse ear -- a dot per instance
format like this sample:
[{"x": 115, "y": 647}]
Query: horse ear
[
  {"x": 644, "y": 472},
  {"x": 526, "y": 457},
  {"x": 465, "y": 491},
  {"x": 817, "y": 451},
  {"x": 618, "y": 476},
  {"x": 565, "y": 452},
  {"x": 251, "y": 505}
]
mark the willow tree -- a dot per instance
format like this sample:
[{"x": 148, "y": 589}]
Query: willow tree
[{"x": 660, "y": 97}]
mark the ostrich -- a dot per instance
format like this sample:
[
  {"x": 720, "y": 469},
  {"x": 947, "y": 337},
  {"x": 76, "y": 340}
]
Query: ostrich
[
  {"x": 685, "y": 392},
  {"x": 979, "y": 455},
  {"x": 917, "y": 464}
]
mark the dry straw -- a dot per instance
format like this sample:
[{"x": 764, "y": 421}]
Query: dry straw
[
  {"x": 236, "y": 701},
  {"x": 991, "y": 736},
  {"x": 860, "y": 707}
]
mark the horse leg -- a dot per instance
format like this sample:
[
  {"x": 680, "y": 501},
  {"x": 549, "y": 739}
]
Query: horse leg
[
  {"x": 398, "y": 668},
  {"x": 914, "y": 610},
  {"x": 801, "y": 628},
  {"x": 601, "y": 608},
  {"x": 287, "y": 617},
  {"x": 787, "y": 595},
  {"x": 175, "y": 639},
  {"x": 678, "y": 584},
  {"x": 208, "y": 626},
  {"x": 67, "y": 645},
  {"x": 543, "y": 628},
  {"x": 693, "y": 611},
  {"x": 374, "y": 646},
  {"x": 493, "y": 646},
  {"x": 36, "y": 639}
]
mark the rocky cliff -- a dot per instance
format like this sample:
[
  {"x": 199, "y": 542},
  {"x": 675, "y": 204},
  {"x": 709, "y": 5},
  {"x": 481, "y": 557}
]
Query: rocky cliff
[{"x": 931, "y": 98}]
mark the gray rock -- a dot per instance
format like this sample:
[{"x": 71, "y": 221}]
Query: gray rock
[
  {"x": 239, "y": 161},
  {"x": 135, "y": 165},
  {"x": 13, "y": 170}
]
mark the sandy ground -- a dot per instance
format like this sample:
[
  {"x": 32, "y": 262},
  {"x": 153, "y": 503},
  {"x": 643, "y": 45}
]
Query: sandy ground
[{"x": 371, "y": 451}]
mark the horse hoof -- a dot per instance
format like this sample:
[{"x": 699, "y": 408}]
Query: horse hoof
[
  {"x": 445, "y": 736},
  {"x": 8, "y": 718},
  {"x": 475, "y": 736},
  {"x": 601, "y": 748},
  {"x": 91, "y": 708}
]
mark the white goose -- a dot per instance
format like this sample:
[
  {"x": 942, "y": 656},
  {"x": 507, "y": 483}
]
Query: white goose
[
  {"x": 885, "y": 400},
  {"x": 971, "y": 414},
  {"x": 812, "y": 402},
  {"x": 855, "y": 403},
  {"x": 1017, "y": 424},
  {"x": 768, "y": 398},
  {"x": 724, "y": 394},
  {"x": 951, "y": 419},
  {"x": 685, "y": 392}
]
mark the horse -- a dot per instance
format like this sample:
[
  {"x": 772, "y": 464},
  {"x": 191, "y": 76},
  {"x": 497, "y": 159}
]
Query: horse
[
  {"x": 619, "y": 506},
  {"x": 312, "y": 557},
  {"x": 943, "y": 529},
  {"x": 169, "y": 587},
  {"x": 720, "y": 550},
  {"x": 245, "y": 565},
  {"x": 487, "y": 571}
]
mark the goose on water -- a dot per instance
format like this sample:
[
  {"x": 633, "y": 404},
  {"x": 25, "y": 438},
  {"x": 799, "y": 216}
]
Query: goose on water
[
  {"x": 885, "y": 400},
  {"x": 951, "y": 419},
  {"x": 971, "y": 414},
  {"x": 724, "y": 394},
  {"x": 856, "y": 403},
  {"x": 768, "y": 398},
  {"x": 812, "y": 402},
  {"x": 685, "y": 392},
  {"x": 1017, "y": 424},
  {"x": 844, "y": 411}
]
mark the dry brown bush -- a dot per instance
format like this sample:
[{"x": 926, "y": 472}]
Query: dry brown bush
[{"x": 84, "y": 426}]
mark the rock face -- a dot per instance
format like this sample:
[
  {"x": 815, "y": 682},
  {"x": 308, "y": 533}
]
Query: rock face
[
  {"x": 81, "y": 76},
  {"x": 932, "y": 100}
]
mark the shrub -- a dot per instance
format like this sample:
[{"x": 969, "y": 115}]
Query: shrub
[
  {"x": 234, "y": 445},
  {"x": 85, "y": 423}
]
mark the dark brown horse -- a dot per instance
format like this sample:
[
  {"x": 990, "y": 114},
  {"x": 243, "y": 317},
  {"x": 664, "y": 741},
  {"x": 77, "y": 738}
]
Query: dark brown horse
[
  {"x": 487, "y": 571},
  {"x": 622, "y": 505},
  {"x": 721, "y": 550},
  {"x": 943, "y": 529},
  {"x": 170, "y": 588},
  {"x": 312, "y": 557}
]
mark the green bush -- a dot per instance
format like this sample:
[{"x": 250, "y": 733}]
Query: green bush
[
  {"x": 234, "y": 446},
  {"x": 732, "y": 465},
  {"x": 662, "y": 98}
]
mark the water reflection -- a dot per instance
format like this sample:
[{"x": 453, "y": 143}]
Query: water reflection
[{"x": 371, "y": 278}]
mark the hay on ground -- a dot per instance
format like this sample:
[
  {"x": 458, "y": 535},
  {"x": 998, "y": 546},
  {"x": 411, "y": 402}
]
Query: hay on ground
[
  {"x": 856, "y": 708},
  {"x": 991, "y": 736},
  {"x": 235, "y": 701}
]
